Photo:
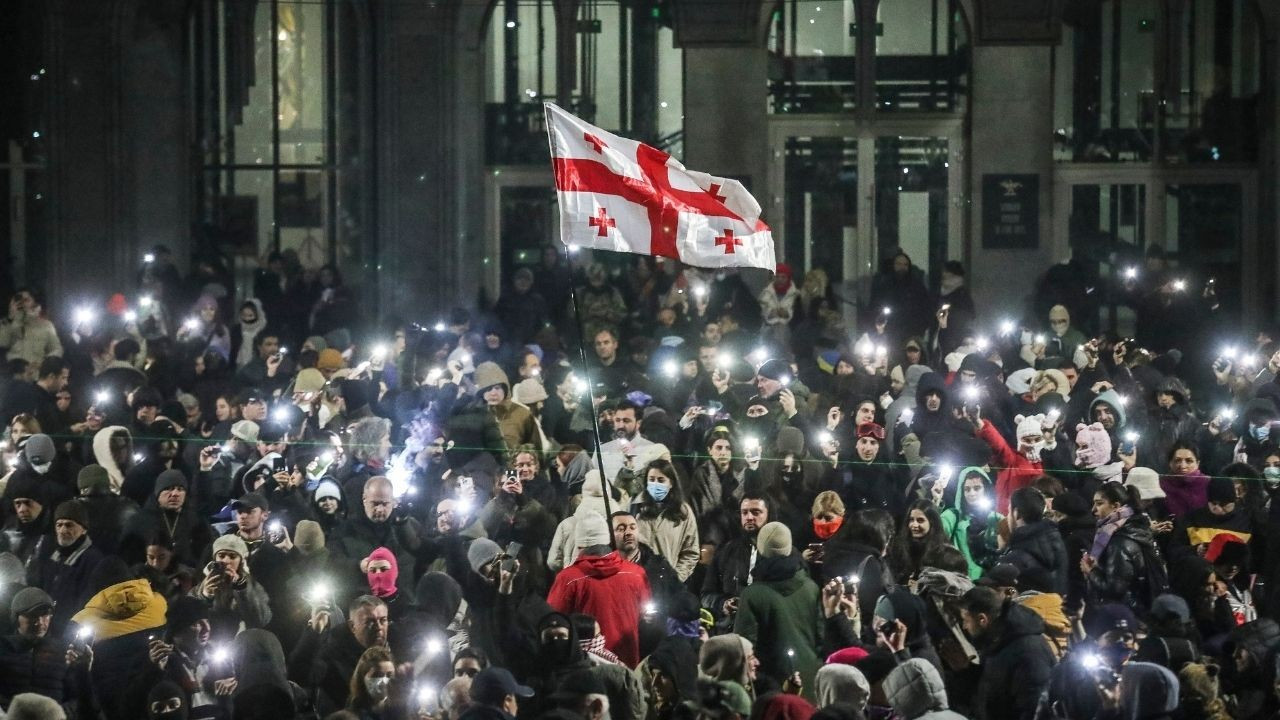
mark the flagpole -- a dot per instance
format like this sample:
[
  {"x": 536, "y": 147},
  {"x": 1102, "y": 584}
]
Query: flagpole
[{"x": 591, "y": 397}]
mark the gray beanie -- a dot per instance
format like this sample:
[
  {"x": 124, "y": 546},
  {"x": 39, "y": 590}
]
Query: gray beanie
[
  {"x": 774, "y": 540},
  {"x": 481, "y": 552},
  {"x": 39, "y": 449}
]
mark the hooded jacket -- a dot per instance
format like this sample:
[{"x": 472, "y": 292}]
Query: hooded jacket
[
  {"x": 905, "y": 401},
  {"x": 120, "y": 617},
  {"x": 1017, "y": 471},
  {"x": 724, "y": 658},
  {"x": 958, "y": 518},
  {"x": 915, "y": 691},
  {"x": 1016, "y": 664},
  {"x": 1111, "y": 399},
  {"x": 514, "y": 420},
  {"x": 243, "y": 335},
  {"x": 259, "y": 664},
  {"x": 837, "y": 683},
  {"x": 102, "y": 454},
  {"x": 1148, "y": 692},
  {"x": 610, "y": 589}
]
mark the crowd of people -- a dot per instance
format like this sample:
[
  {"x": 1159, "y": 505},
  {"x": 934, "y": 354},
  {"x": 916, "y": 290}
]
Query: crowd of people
[{"x": 633, "y": 490}]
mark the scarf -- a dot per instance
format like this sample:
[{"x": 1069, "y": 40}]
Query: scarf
[
  {"x": 773, "y": 569},
  {"x": 595, "y": 646},
  {"x": 1107, "y": 527}
]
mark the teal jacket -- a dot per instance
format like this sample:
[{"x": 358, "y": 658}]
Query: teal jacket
[{"x": 956, "y": 520}]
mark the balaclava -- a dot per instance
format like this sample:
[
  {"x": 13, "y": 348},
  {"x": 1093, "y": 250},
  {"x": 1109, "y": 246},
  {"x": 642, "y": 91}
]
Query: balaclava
[
  {"x": 1030, "y": 425},
  {"x": 1093, "y": 445},
  {"x": 383, "y": 584},
  {"x": 166, "y": 701}
]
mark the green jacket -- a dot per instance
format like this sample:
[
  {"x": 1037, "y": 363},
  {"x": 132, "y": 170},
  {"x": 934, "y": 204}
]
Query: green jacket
[
  {"x": 956, "y": 522},
  {"x": 779, "y": 616}
]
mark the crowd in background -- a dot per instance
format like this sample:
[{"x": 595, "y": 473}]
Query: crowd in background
[{"x": 634, "y": 490}]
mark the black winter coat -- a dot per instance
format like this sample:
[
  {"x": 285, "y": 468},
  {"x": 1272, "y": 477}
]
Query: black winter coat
[
  {"x": 38, "y": 666},
  {"x": 65, "y": 576},
  {"x": 1122, "y": 573},
  {"x": 728, "y": 573},
  {"x": 1039, "y": 544},
  {"x": 323, "y": 663},
  {"x": 1016, "y": 664}
]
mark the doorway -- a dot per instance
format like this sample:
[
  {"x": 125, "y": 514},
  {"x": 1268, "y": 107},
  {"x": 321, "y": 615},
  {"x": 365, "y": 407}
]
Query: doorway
[{"x": 845, "y": 192}]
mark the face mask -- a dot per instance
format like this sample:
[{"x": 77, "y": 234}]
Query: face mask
[
  {"x": 43, "y": 468},
  {"x": 658, "y": 491},
  {"x": 1260, "y": 432},
  {"x": 1032, "y": 452},
  {"x": 1271, "y": 475},
  {"x": 377, "y": 687},
  {"x": 1115, "y": 655},
  {"x": 557, "y": 650},
  {"x": 824, "y": 530},
  {"x": 383, "y": 584}
]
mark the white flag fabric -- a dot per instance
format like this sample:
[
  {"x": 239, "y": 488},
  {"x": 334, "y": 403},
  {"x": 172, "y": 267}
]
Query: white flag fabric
[{"x": 622, "y": 195}]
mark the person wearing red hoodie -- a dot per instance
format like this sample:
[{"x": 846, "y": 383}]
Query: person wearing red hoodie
[
  {"x": 1016, "y": 469},
  {"x": 600, "y": 583}
]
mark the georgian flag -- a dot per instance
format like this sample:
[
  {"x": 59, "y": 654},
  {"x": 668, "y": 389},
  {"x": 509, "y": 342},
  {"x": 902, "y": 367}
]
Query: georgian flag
[{"x": 622, "y": 195}]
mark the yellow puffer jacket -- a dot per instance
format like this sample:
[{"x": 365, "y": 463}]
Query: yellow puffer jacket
[
  {"x": 1057, "y": 627},
  {"x": 121, "y": 609}
]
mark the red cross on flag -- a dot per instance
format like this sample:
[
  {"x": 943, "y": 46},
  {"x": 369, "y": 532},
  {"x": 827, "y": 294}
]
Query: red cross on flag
[{"x": 622, "y": 195}]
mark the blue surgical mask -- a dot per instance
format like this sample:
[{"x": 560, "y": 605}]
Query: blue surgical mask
[
  {"x": 1260, "y": 432},
  {"x": 658, "y": 491}
]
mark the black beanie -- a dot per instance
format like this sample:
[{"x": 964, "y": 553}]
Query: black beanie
[
  {"x": 25, "y": 484},
  {"x": 1222, "y": 490},
  {"x": 184, "y": 612}
]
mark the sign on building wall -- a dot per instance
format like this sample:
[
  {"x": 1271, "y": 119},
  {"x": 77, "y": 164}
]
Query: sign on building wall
[{"x": 1011, "y": 212}]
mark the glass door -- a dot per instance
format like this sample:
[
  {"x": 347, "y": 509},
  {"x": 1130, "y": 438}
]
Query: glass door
[
  {"x": 912, "y": 208},
  {"x": 821, "y": 198},
  {"x": 1202, "y": 223},
  {"x": 845, "y": 192}
]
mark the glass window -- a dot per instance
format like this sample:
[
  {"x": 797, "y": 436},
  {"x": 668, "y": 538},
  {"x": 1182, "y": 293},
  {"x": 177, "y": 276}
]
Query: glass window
[
  {"x": 268, "y": 124},
  {"x": 628, "y": 77},
  {"x": 812, "y": 53},
  {"x": 521, "y": 41},
  {"x": 1105, "y": 101},
  {"x": 1213, "y": 115},
  {"x": 922, "y": 55},
  {"x": 821, "y": 202},
  {"x": 912, "y": 199}
]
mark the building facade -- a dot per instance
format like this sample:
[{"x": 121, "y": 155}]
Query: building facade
[{"x": 402, "y": 140}]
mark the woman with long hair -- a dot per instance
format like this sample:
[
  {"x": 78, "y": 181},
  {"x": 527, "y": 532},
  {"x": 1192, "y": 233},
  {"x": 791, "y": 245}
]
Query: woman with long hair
[
  {"x": 370, "y": 689},
  {"x": 1123, "y": 565},
  {"x": 920, "y": 531},
  {"x": 717, "y": 484},
  {"x": 665, "y": 520}
]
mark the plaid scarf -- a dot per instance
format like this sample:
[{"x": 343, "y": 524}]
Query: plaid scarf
[
  {"x": 1107, "y": 527},
  {"x": 595, "y": 646}
]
